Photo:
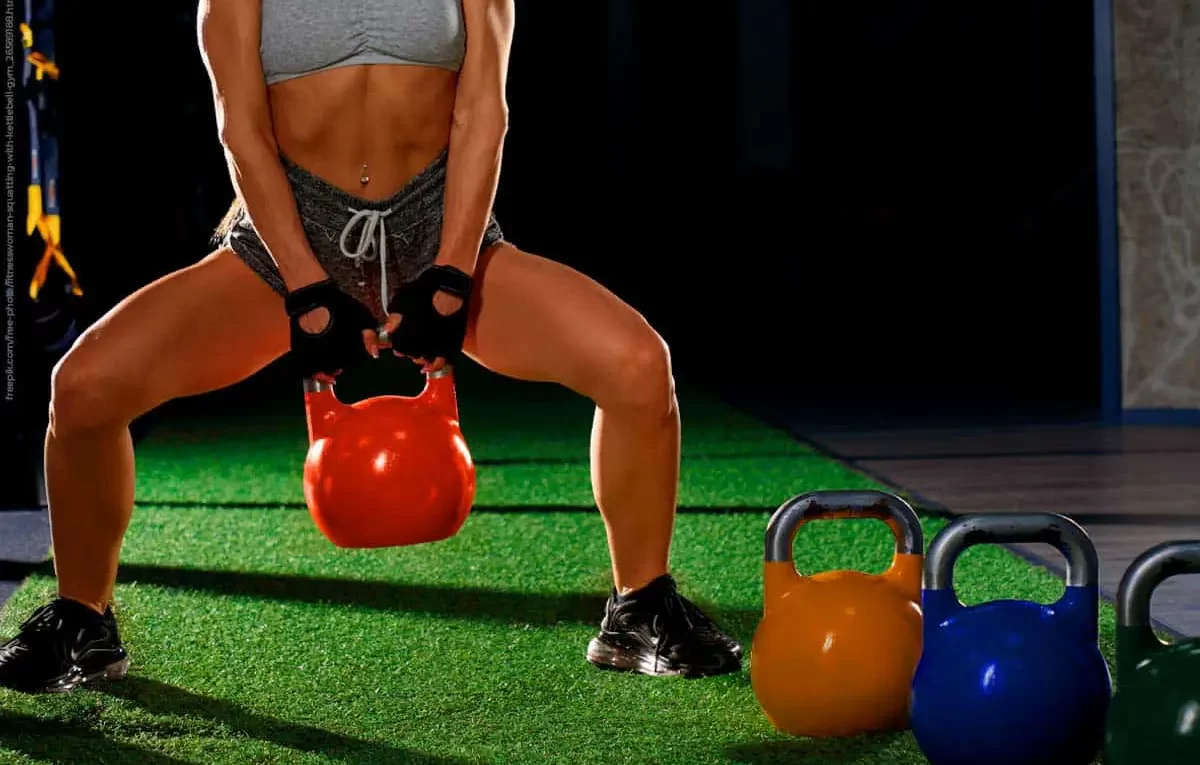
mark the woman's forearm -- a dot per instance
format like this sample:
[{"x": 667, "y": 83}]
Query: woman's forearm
[
  {"x": 477, "y": 132},
  {"x": 261, "y": 183},
  {"x": 472, "y": 175},
  {"x": 230, "y": 33}
]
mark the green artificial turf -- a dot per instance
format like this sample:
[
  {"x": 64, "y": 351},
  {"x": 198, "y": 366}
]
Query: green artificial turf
[
  {"x": 256, "y": 641},
  {"x": 530, "y": 440}
]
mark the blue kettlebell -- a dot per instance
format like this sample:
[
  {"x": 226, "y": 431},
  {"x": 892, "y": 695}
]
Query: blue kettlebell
[{"x": 1011, "y": 682}]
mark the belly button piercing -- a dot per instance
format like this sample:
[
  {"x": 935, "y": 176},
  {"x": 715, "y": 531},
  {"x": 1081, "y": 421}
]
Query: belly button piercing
[{"x": 364, "y": 179}]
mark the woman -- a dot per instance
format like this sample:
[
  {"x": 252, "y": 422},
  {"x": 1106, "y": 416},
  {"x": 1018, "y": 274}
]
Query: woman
[{"x": 364, "y": 146}]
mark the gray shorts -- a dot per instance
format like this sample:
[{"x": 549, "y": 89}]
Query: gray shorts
[{"x": 368, "y": 248}]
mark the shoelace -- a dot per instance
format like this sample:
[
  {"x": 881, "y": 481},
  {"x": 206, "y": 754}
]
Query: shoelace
[
  {"x": 372, "y": 220},
  {"x": 44, "y": 619}
]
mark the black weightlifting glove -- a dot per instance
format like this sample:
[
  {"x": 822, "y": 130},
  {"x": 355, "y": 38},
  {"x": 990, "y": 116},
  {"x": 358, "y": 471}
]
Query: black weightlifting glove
[
  {"x": 339, "y": 346},
  {"x": 424, "y": 332}
]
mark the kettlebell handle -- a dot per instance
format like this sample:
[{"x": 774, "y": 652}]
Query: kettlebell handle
[
  {"x": 313, "y": 385},
  {"x": 1083, "y": 566},
  {"x": 787, "y": 520},
  {"x": 1147, "y": 572}
]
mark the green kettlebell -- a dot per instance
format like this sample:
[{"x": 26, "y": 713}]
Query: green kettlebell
[{"x": 1155, "y": 715}]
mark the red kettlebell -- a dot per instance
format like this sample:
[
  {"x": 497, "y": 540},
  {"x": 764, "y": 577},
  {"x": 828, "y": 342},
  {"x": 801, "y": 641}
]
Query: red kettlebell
[{"x": 387, "y": 471}]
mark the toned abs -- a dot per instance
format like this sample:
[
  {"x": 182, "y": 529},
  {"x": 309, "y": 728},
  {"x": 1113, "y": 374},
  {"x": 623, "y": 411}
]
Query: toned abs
[{"x": 384, "y": 123}]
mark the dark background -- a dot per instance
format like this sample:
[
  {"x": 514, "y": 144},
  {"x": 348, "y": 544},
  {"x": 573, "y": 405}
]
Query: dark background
[{"x": 861, "y": 207}]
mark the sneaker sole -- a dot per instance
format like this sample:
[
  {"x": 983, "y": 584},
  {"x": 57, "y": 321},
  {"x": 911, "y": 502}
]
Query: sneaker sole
[
  {"x": 118, "y": 670},
  {"x": 606, "y": 657}
]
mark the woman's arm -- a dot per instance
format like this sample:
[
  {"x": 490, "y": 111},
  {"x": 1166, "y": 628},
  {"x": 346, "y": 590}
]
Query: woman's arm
[
  {"x": 229, "y": 36},
  {"x": 478, "y": 131}
]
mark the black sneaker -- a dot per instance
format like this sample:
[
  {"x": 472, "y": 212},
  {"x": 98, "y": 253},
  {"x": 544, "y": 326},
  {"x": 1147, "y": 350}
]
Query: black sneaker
[
  {"x": 657, "y": 631},
  {"x": 63, "y": 645}
]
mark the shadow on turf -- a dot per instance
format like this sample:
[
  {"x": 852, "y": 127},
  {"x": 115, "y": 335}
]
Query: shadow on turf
[
  {"x": 68, "y": 743},
  {"x": 809, "y": 751},
  {"x": 690, "y": 457},
  {"x": 162, "y": 699},
  {"x": 762, "y": 510},
  {"x": 476, "y": 603}
]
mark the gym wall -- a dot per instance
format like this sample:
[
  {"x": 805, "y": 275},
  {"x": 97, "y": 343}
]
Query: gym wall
[{"x": 1158, "y": 199}]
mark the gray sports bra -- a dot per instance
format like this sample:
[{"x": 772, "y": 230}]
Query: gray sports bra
[{"x": 302, "y": 37}]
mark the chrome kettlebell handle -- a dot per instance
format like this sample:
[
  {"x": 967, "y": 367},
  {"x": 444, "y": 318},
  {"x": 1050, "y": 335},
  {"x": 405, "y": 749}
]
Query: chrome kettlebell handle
[
  {"x": 313, "y": 385},
  {"x": 791, "y": 515},
  {"x": 1147, "y": 572},
  {"x": 1083, "y": 565}
]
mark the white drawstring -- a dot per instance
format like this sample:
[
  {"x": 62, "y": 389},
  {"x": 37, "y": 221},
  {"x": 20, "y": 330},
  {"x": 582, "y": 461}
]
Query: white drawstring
[{"x": 373, "y": 219}]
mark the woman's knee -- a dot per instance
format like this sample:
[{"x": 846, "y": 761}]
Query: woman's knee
[
  {"x": 639, "y": 379},
  {"x": 85, "y": 394}
]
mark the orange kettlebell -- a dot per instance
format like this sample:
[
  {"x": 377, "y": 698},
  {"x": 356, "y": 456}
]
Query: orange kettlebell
[
  {"x": 388, "y": 470},
  {"x": 835, "y": 652}
]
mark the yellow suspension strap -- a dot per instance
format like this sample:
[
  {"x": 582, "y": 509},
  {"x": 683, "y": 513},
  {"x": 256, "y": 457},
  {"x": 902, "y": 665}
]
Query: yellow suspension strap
[{"x": 37, "y": 36}]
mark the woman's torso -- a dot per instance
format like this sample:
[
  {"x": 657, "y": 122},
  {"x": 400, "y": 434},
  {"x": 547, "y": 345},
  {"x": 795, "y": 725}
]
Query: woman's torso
[{"x": 339, "y": 100}]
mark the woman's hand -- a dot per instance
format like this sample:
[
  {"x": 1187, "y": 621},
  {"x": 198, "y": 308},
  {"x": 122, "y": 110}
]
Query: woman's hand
[
  {"x": 445, "y": 304},
  {"x": 373, "y": 341},
  {"x": 326, "y": 325},
  {"x": 314, "y": 322}
]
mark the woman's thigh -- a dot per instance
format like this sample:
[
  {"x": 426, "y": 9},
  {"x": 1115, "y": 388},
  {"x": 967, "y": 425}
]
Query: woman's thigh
[
  {"x": 539, "y": 320},
  {"x": 198, "y": 329}
]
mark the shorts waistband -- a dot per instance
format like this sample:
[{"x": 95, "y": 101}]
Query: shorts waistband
[{"x": 302, "y": 179}]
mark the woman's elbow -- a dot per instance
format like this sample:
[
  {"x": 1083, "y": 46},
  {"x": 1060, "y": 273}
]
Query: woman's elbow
[
  {"x": 484, "y": 115},
  {"x": 241, "y": 136}
]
